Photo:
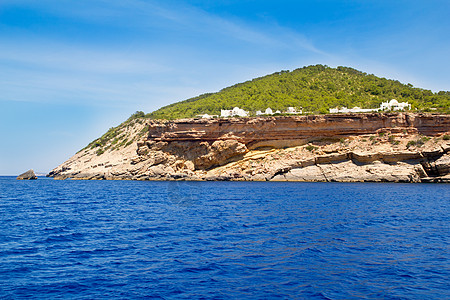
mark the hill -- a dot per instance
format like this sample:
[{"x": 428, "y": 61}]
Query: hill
[{"x": 314, "y": 88}]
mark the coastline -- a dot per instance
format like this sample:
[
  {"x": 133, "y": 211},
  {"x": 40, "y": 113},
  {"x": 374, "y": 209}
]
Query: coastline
[{"x": 377, "y": 147}]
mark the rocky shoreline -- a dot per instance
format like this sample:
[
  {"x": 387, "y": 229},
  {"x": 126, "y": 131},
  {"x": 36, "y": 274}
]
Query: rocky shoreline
[{"x": 378, "y": 147}]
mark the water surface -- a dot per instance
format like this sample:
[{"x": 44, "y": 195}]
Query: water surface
[{"x": 223, "y": 240}]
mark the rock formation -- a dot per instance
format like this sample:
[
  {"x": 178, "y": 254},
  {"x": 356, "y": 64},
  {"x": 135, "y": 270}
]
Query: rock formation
[
  {"x": 402, "y": 147},
  {"x": 28, "y": 175}
]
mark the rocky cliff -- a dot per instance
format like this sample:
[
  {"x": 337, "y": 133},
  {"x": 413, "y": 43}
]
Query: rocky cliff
[{"x": 402, "y": 147}]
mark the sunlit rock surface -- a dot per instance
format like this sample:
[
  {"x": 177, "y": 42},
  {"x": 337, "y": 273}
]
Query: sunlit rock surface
[{"x": 378, "y": 147}]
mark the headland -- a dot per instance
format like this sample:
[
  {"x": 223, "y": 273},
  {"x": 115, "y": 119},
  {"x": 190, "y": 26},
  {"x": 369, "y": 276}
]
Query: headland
[{"x": 373, "y": 147}]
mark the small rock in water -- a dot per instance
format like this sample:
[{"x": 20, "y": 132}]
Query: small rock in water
[{"x": 28, "y": 175}]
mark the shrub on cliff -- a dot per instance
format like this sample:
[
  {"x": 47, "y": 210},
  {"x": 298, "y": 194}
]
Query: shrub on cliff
[{"x": 136, "y": 115}]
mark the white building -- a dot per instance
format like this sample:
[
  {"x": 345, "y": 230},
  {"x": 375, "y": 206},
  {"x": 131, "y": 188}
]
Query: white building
[
  {"x": 224, "y": 113},
  {"x": 268, "y": 111},
  {"x": 293, "y": 110},
  {"x": 391, "y": 105},
  {"x": 234, "y": 112},
  {"x": 334, "y": 110},
  {"x": 355, "y": 109},
  {"x": 206, "y": 116},
  {"x": 395, "y": 105}
]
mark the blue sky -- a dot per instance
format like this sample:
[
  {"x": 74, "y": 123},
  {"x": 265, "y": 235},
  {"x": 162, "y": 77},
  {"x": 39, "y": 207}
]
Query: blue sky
[{"x": 69, "y": 70}]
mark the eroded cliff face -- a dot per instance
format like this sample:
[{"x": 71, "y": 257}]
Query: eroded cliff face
[
  {"x": 253, "y": 131},
  {"x": 352, "y": 147}
]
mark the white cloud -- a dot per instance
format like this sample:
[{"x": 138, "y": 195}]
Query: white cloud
[
  {"x": 142, "y": 16},
  {"x": 154, "y": 70},
  {"x": 48, "y": 55}
]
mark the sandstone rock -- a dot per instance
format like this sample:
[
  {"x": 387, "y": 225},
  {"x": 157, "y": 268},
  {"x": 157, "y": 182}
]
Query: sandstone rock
[
  {"x": 332, "y": 148},
  {"x": 86, "y": 176},
  {"x": 307, "y": 162},
  {"x": 365, "y": 157},
  {"x": 189, "y": 165},
  {"x": 442, "y": 179},
  {"x": 279, "y": 169},
  {"x": 347, "y": 171},
  {"x": 158, "y": 158},
  {"x": 310, "y": 173},
  {"x": 400, "y": 156},
  {"x": 142, "y": 150},
  {"x": 28, "y": 175},
  {"x": 178, "y": 176},
  {"x": 219, "y": 153},
  {"x": 420, "y": 171},
  {"x": 433, "y": 152},
  {"x": 253, "y": 130},
  {"x": 157, "y": 171},
  {"x": 346, "y": 148},
  {"x": 218, "y": 178},
  {"x": 155, "y": 146},
  {"x": 446, "y": 147},
  {"x": 442, "y": 165},
  {"x": 402, "y": 172},
  {"x": 259, "y": 177},
  {"x": 331, "y": 158}
]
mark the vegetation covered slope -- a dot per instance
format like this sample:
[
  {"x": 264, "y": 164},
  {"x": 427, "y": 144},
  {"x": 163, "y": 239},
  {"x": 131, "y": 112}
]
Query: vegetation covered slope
[
  {"x": 120, "y": 137},
  {"x": 315, "y": 88}
]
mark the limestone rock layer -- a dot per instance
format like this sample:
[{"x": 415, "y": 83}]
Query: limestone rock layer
[
  {"x": 256, "y": 130},
  {"x": 403, "y": 147}
]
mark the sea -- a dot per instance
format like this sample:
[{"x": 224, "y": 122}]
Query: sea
[{"x": 223, "y": 240}]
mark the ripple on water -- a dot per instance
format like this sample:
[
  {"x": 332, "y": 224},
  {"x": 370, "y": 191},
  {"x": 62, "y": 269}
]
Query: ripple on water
[{"x": 189, "y": 240}]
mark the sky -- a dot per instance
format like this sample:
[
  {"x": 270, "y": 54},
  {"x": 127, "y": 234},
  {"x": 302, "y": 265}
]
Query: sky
[{"x": 70, "y": 70}]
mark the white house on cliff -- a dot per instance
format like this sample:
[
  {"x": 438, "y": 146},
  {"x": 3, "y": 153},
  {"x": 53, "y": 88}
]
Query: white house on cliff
[
  {"x": 235, "y": 112},
  {"x": 389, "y": 105},
  {"x": 395, "y": 105}
]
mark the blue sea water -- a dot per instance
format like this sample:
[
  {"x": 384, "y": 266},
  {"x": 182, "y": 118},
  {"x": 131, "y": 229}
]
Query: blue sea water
[{"x": 223, "y": 240}]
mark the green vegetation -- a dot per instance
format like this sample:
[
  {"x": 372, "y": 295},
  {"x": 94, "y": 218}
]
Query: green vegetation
[
  {"x": 311, "y": 148},
  {"x": 411, "y": 143},
  {"x": 392, "y": 140},
  {"x": 118, "y": 137},
  {"x": 315, "y": 88},
  {"x": 419, "y": 142},
  {"x": 446, "y": 137},
  {"x": 100, "y": 151},
  {"x": 373, "y": 139}
]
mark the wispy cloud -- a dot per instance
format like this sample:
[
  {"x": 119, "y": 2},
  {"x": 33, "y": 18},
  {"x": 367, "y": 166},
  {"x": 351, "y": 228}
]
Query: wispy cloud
[
  {"x": 147, "y": 15},
  {"x": 51, "y": 72},
  {"x": 48, "y": 55},
  {"x": 154, "y": 67}
]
